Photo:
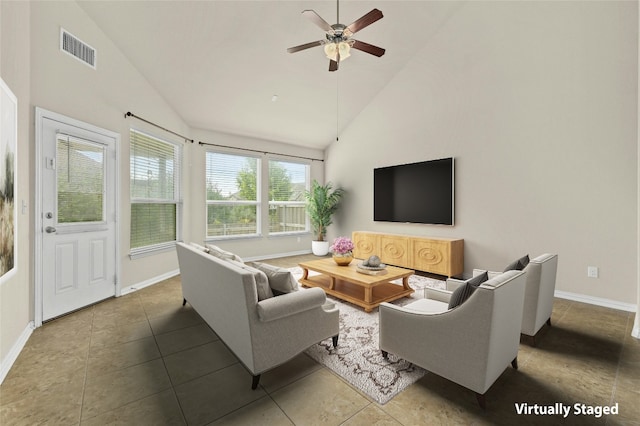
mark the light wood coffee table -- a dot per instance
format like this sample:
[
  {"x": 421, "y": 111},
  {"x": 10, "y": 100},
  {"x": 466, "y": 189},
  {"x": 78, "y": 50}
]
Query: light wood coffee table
[{"x": 346, "y": 283}]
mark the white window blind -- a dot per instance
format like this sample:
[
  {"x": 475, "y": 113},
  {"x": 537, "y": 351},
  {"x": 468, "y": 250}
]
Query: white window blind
[
  {"x": 287, "y": 183},
  {"x": 155, "y": 192},
  {"x": 233, "y": 189},
  {"x": 80, "y": 180}
]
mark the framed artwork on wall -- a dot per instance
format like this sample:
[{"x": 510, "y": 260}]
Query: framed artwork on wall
[{"x": 8, "y": 203}]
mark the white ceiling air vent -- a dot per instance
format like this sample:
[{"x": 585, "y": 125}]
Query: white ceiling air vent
[{"x": 77, "y": 48}]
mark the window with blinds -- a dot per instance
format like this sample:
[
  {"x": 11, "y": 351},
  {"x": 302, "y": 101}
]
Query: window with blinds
[
  {"x": 155, "y": 193},
  {"x": 80, "y": 180},
  {"x": 233, "y": 191},
  {"x": 287, "y": 183}
]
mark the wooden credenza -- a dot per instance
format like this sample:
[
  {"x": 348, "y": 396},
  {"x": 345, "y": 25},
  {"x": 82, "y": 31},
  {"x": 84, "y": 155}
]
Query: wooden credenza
[{"x": 442, "y": 256}]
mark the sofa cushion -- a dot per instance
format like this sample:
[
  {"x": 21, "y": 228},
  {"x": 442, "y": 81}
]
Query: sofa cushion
[
  {"x": 518, "y": 264},
  {"x": 428, "y": 306},
  {"x": 262, "y": 282},
  {"x": 281, "y": 280},
  {"x": 222, "y": 254},
  {"x": 199, "y": 247},
  {"x": 462, "y": 293}
]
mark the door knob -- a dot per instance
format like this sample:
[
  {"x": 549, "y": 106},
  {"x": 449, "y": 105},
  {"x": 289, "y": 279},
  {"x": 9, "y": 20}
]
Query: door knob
[{"x": 50, "y": 229}]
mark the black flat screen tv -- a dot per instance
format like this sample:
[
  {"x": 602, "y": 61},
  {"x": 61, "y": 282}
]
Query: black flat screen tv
[{"x": 416, "y": 193}]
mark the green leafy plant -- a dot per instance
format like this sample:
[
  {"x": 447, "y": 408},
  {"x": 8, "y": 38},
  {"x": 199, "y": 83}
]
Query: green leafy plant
[{"x": 322, "y": 203}]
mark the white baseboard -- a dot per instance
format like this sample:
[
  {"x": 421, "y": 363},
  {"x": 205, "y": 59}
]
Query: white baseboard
[
  {"x": 598, "y": 301},
  {"x": 150, "y": 281},
  {"x": 636, "y": 331},
  {"x": 17, "y": 347}
]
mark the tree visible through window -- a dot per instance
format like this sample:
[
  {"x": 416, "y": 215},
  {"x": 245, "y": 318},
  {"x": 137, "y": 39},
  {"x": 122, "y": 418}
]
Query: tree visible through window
[
  {"x": 80, "y": 180},
  {"x": 287, "y": 183},
  {"x": 233, "y": 183}
]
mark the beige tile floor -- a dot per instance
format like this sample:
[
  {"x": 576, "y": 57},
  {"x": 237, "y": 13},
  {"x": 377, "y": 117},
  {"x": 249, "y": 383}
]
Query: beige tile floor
[{"x": 144, "y": 359}]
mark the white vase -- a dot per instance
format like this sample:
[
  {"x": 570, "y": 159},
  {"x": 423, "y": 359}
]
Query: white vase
[{"x": 320, "y": 248}]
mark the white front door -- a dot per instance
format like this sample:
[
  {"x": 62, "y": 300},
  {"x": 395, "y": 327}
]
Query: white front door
[{"x": 77, "y": 214}]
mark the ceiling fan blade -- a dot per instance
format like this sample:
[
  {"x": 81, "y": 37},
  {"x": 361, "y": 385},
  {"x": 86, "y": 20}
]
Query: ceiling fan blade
[
  {"x": 369, "y": 48},
  {"x": 333, "y": 65},
  {"x": 316, "y": 19},
  {"x": 305, "y": 46},
  {"x": 364, "y": 21}
]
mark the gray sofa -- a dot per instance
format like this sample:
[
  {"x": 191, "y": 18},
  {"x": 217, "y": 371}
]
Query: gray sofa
[{"x": 261, "y": 333}]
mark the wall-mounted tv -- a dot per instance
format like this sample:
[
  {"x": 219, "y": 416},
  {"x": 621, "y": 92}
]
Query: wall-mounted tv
[{"x": 416, "y": 193}]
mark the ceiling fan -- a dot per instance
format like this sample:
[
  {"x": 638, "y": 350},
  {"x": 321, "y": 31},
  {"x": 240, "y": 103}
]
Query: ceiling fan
[{"x": 338, "y": 41}]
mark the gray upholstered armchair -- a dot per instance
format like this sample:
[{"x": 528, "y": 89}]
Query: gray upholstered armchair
[
  {"x": 538, "y": 297},
  {"x": 470, "y": 344}
]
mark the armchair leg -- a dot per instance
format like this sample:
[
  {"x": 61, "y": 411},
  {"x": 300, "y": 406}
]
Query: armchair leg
[
  {"x": 335, "y": 340},
  {"x": 549, "y": 322},
  {"x": 385, "y": 354},
  {"x": 255, "y": 381},
  {"x": 514, "y": 363},
  {"x": 184, "y": 301},
  {"x": 481, "y": 401}
]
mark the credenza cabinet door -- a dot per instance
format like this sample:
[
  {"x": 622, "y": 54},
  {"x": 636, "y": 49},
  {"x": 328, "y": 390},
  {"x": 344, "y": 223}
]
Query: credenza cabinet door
[
  {"x": 365, "y": 245},
  {"x": 432, "y": 256},
  {"x": 395, "y": 250}
]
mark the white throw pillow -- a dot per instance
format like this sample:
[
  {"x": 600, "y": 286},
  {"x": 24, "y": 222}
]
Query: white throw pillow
[
  {"x": 262, "y": 282},
  {"x": 281, "y": 280},
  {"x": 223, "y": 254}
]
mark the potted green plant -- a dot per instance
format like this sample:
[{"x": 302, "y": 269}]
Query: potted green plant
[{"x": 322, "y": 203}]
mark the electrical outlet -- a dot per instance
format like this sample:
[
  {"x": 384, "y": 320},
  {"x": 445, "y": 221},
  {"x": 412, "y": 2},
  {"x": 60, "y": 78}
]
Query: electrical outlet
[{"x": 592, "y": 271}]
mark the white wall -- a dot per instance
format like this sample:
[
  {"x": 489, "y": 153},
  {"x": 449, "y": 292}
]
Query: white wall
[
  {"x": 636, "y": 325},
  {"x": 15, "y": 306},
  {"x": 101, "y": 97},
  {"x": 537, "y": 101}
]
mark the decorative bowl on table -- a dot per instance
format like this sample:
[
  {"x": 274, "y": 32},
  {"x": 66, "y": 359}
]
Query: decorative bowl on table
[{"x": 372, "y": 266}]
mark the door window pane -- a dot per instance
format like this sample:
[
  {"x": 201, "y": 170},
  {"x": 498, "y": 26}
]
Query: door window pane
[{"x": 80, "y": 180}]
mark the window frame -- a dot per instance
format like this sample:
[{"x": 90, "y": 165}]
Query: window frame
[
  {"x": 257, "y": 203},
  {"x": 307, "y": 185},
  {"x": 177, "y": 199}
]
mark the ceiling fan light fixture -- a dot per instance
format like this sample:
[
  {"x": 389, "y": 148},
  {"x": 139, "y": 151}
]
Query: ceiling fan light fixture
[
  {"x": 344, "y": 48},
  {"x": 331, "y": 50},
  {"x": 337, "y": 43}
]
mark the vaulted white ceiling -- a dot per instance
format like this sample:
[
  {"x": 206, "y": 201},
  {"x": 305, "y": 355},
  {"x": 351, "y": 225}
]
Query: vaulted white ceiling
[{"x": 220, "y": 63}]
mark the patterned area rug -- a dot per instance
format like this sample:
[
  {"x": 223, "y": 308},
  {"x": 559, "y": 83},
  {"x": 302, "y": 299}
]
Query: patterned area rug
[{"x": 357, "y": 358}]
